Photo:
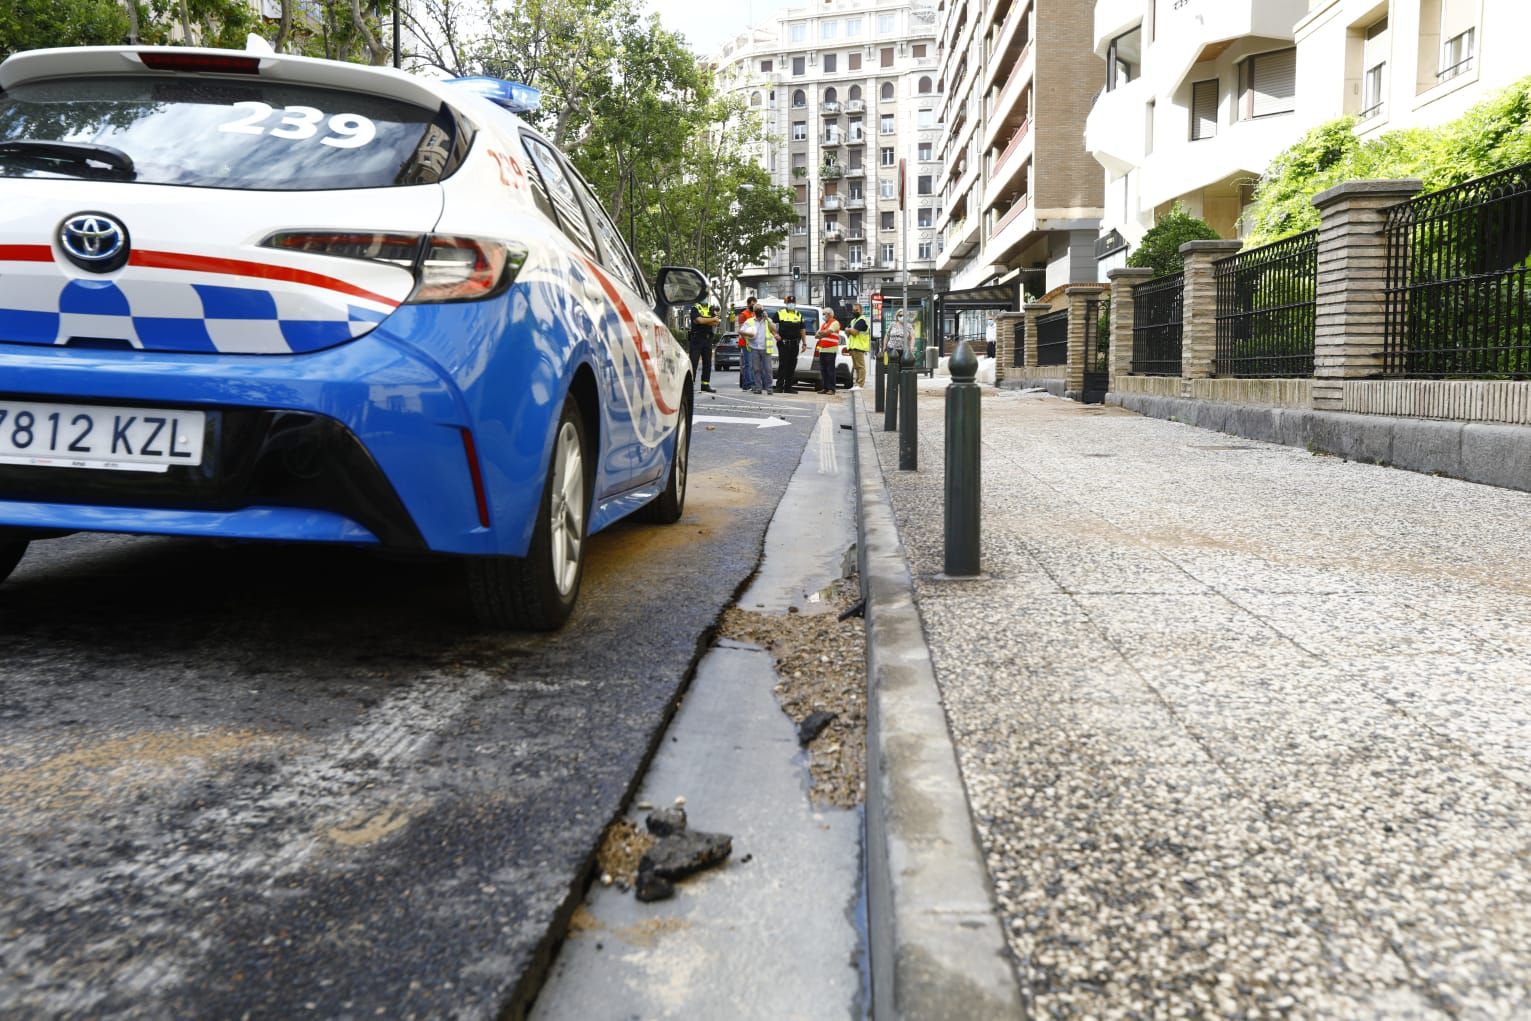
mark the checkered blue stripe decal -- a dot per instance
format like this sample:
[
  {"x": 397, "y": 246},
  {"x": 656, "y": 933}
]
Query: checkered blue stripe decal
[{"x": 157, "y": 315}]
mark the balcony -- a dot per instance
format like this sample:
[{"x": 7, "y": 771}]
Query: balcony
[
  {"x": 833, "y": 235},
  {"x": 1008, "y": 37},
  {"x": 832, "y": 203},
  {"x": 830, "y": 109},
  {"x": 832, "y": 140},
  {"x": 1116, "y": 130},
  {"x": 831, "y": 172},
  {"x": 855, "y": 105},
  {"x": 1114, "y": 18},
  {"x": 855, "y": 203},
  {"x": 1009, "y": 164},
  {"x": 855, "y": 234},
  {"x": 856, "y": 138},
  {"x": 855, "y": 173},
  {"x": 1188, "y": 35},
  {"x": 1012, "y": 229}
]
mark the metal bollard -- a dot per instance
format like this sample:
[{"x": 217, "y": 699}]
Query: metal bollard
[
  {"x": 964, "y": 487},
  {"x": 882, "y": 379},
  {"x": 908, "y": 421},
  {"x": 890, "y": 408}
]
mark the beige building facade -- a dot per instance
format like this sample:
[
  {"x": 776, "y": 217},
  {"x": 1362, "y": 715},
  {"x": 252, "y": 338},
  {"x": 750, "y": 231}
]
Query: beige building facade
[
  {"x": 846, "y": 89},
  {"x": 1196, "y": 97},
  {"x": 1022, "y": 197}
]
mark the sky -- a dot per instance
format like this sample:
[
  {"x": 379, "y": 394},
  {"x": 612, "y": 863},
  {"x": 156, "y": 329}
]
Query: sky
[{"x": 707, "y": 24}]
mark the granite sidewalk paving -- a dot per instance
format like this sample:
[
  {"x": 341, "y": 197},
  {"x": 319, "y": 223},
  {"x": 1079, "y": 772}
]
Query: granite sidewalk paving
[{"x": 1246, "y": 731}]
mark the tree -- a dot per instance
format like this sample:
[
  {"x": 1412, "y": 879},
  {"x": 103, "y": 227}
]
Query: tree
[
  {"x": 1160, "y": 250},
  {"x": 36, "y": 24}
]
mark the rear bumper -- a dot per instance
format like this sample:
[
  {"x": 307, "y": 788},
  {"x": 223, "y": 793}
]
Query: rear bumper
[{"x": 357, "y": 444}]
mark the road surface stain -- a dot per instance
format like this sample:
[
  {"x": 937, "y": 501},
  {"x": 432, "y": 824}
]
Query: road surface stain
[
  {"x": 365, "y": 830},
  {"x": 647, "y": 933},
  {"x": 115, "y": 768}
]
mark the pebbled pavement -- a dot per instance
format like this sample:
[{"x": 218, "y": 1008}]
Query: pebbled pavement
[
  {"x": 1244, "y": 729},
  {"x": 247, "y": 781}
]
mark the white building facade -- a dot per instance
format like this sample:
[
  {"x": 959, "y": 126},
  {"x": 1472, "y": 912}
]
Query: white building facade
[
  {"x": 1198, "y": 96},
  {"x": 846, "y": 90}
]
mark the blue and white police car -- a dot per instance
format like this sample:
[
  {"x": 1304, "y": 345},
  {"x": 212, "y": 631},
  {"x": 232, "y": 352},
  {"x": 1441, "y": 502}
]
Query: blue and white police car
[{"x": 266, "y": 297}]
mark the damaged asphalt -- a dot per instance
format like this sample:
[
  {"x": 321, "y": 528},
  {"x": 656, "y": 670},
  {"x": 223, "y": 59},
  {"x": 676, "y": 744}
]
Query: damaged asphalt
[{"x": 247, "y": 781}]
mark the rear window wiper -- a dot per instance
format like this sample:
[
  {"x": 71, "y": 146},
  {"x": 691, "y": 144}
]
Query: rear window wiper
[{"x": 82, "y": 154}]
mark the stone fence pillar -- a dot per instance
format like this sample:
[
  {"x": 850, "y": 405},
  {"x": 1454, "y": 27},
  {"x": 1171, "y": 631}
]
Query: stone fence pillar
[
  {"x": 1034, "y": 310},
  {"x": 1352, "y": 284},
  {"x": 1123, "y": 314},
  {"x": 1005, "y": 325},
  {"x": 1081, "y": 337},
  {"x": 1198, "y": 338}
]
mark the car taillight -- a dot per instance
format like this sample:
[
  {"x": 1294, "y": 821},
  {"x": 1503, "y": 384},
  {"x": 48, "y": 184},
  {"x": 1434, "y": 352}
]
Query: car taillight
[
  {"x": 446, "y": 267},
  {"x": 219, "y": 63}
]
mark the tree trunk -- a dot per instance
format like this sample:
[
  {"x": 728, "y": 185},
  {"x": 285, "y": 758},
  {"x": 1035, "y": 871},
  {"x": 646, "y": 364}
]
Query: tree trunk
[
  {"x": 186, "y": 25},
  {"x": 377, "y": 53},
  {"x": 132, "y": 6},
  {"x": 284, "y": 27}
]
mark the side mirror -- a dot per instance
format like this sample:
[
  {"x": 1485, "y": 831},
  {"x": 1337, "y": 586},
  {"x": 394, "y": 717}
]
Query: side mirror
[{"x": 679, "y": 285}]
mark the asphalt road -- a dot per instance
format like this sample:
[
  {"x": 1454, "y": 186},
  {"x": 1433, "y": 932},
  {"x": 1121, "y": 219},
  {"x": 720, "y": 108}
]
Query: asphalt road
[{"x": 253, "y": 781}]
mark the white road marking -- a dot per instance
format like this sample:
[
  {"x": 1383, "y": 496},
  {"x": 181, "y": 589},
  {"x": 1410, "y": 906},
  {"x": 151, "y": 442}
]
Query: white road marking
[{"x": 759, "y": 423}]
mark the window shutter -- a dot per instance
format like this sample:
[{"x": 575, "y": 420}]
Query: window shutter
[
  {"x": 1457, "y": 16},
  {"x": 1275, "y": 83},
  {"x": 1204, "y": 109}
]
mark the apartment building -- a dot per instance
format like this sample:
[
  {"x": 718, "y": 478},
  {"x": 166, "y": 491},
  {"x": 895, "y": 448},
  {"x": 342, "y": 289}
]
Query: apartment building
[
  {"x": 1022, "y": 196},
  {"x": 847, "y": 89},
  {"x": 1198, "y": 96}
]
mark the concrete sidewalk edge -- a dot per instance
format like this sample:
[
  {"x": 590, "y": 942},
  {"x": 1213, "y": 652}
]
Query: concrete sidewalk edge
[
  {"x": 1490, "y": 453},
  {"x": 937, "y": 949}
]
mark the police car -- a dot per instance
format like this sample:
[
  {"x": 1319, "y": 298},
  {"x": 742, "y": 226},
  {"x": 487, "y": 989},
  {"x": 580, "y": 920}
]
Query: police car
[{"x": 266, "y": 297}]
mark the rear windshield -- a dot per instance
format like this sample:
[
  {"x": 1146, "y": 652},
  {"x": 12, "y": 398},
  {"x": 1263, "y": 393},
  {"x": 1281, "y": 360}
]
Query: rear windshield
[{"x": 217, "y": 133}]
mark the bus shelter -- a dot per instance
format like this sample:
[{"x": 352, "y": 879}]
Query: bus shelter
[{"x": 969, "y": 315}]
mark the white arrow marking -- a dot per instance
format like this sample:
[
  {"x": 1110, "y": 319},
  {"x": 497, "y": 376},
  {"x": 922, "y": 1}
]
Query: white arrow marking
[{"x": 758, "y": 423}]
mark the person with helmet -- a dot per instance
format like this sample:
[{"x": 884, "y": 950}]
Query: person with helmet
[
  {"x": 827, "y": 346},
  {"x": 858, "y": 341},
  {"x": 789, "y": 321},
  {"x": 704, "y": 324}
]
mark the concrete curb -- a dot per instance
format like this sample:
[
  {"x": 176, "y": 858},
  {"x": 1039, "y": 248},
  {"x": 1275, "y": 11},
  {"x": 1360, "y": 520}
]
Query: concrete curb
[
  {"x": 937, "y": 950},
  {"x": 1485, "y": 452}
]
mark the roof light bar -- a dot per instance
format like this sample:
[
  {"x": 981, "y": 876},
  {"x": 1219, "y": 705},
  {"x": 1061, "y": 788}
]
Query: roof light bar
[{"x": 513, "y": 96}]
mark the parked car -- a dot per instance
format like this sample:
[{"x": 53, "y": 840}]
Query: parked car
[
  {"x": 726, "y": 353},
  {"x": 266, "y": 297}
]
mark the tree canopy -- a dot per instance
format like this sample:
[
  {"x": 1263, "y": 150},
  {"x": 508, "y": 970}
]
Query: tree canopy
[{"x": 1160, "y": 250}]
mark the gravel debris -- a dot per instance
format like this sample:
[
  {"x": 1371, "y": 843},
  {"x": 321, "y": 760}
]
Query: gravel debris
[
  {"x": 821, "y": 663},
  {"x": 623, "y": 846}
]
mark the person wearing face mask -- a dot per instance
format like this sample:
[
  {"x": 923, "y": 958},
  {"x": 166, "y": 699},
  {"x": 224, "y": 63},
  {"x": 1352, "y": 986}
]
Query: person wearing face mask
[
  {"x": 900, "y": 337},
  {"x": 746, "y": 370},
  {"x": 858, "y": 341},
  {"x": 827, "y": 347},
  {"x": 789, "y": 321}
]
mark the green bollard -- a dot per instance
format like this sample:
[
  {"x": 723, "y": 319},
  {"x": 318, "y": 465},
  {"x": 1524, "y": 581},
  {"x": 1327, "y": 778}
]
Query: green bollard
[
  {"x": 890, "y": 408},
  {"x": 964, "y": 487},
  {"x": 908, "y": 422},
  {"x": 881, "y": 371}
]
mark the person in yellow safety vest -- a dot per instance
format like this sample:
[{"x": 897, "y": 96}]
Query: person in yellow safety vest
[
  {"x": 704, "y": 324},
  {"x": 858, "y": 341},
  {"x": 790, "y": 322},
  {"x": 827, "y": 347}
]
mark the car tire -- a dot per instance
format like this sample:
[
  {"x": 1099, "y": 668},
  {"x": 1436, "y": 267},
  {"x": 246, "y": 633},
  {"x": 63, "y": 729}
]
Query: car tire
[
  {"x": 10, "y": 555},
  {"x": 538, "y": 592},
  {"x": 670, "y": 504}
]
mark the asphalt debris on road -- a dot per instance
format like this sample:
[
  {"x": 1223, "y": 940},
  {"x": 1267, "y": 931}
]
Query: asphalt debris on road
[
  {"x": 623, "y": 846},
  {"x": 821, "y": 666},
  {"x": 679, "y": 852}
]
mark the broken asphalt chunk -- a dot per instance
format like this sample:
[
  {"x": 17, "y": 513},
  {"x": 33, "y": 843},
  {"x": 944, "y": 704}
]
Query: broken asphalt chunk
[
  {"x": 812, "y": 726},
  {"x": 682, "y": 854}
]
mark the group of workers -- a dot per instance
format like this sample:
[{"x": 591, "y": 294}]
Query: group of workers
[{"x": 780, "y": 333}]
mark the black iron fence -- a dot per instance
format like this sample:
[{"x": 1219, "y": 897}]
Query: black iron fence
[
  {"x": 1053, "y": 338},
  {"x": 1157, "y": 321},
  {"x": 1097, "y": 342},
  {"x": 1266, "y": 309},
  {"x": 1018, "y": 346},
  {"x": 1458, "y": 270}
]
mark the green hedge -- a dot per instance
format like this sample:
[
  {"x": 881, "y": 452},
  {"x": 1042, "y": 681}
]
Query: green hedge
[{"x": 1494, "y": 135}]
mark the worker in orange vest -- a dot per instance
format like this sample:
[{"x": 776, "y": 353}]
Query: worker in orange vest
[{"x": 827, "y": 347}]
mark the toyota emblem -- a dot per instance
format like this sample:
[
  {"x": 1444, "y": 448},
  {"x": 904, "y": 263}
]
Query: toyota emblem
[{"x": 94, "y": 241}]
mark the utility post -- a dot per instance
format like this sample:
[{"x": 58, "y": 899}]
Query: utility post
[
  {"x": 908, "y": 421},
  {"x": 964, "y": 488}
]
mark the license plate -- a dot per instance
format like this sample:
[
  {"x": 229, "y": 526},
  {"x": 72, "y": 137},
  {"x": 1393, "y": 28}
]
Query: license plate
[{"x": 93, "y": 436}]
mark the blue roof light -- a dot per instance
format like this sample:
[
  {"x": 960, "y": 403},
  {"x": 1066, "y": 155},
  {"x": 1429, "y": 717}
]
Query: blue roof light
[{"x": 513, "y": 96}]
